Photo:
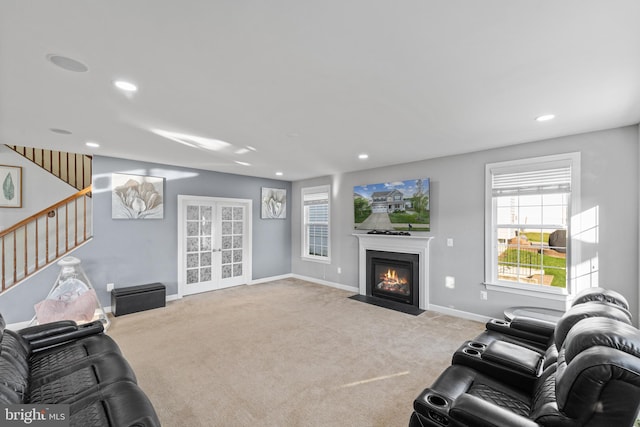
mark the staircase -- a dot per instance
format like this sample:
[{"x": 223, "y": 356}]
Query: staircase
[
  {"x": 43, "y": 238},
  {"x": 72, "y": 168}
]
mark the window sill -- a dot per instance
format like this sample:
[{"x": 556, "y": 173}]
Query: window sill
[
  {"x": 542, "y": 292},
  {"x": 318, "y": 260}
]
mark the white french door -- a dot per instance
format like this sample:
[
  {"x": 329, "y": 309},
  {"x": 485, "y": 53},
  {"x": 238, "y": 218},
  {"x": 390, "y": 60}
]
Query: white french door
[{"x": 214, "y": 243}]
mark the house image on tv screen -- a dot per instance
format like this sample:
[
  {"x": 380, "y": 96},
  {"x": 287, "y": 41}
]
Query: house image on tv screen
[
  {"x": 393, "y": 206},
  {"x": 387, "y": 201}
]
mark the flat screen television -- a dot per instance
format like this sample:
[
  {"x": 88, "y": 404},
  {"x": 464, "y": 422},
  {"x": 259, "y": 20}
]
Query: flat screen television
[{"x": 392, "y": 206}]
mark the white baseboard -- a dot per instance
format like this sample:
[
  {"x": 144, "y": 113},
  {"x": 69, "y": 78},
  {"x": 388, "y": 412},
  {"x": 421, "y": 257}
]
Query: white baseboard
[
  {"x": 270, "y": 279},
  {"x": 173, "y": 297},
  {"x": 459, "y": 313},
  {"x": 327, "y": 283},
  {"x": 307, "y": 279}
]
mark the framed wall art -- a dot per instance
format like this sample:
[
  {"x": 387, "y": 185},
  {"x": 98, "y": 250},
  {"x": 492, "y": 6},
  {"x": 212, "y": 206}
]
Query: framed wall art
[
  {"x": 136, "y": 196},
  {"x": 11, "y": 180},
  {"x": 274, "y": 203}
]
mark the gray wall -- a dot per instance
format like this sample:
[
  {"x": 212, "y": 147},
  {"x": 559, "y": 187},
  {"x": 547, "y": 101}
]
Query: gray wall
[
  {"x": 609, "y": 181},
  {"x": 128, "y": 252}
]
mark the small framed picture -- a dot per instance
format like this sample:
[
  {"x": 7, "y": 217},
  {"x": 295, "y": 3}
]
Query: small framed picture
[{"x": 11, "y": 180}]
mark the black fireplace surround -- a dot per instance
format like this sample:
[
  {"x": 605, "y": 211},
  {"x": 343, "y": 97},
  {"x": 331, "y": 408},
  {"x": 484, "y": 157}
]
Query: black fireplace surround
[{"x": 393, "y": 276}]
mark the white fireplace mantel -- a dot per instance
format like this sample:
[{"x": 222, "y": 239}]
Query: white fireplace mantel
[{"x": 404, "y": 244}]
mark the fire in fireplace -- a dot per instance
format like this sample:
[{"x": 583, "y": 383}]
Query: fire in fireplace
[
  {"x": 393, "y": 276},
  {"x": 391, "y": 281}
]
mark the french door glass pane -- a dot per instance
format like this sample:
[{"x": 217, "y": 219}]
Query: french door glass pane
[
  {"x": 232, "y": 241},
  {"x": 199, "y": 243},
  {"x": 192, "y": 276},
  {"x": 193, "y": 213},
  {"x": 205, "y": 274}
]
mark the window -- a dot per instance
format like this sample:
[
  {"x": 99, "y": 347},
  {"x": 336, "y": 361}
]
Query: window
[
  {"x": 529, "y": 204},
  {"x": 315, "y": 233}
]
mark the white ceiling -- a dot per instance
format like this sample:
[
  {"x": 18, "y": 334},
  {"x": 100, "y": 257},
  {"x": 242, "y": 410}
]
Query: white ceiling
[{"x": 312, "y": 84}]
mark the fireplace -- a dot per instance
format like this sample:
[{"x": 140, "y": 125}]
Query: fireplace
[
  {"x": 396, "y": 250},
  {"x": 393, "y": 276}
]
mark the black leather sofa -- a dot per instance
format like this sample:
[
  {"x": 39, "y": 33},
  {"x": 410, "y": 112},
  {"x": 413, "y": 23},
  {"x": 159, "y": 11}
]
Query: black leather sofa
[
  {"x": 74, "y": 365},
  {"x": 582, "y": 371}
]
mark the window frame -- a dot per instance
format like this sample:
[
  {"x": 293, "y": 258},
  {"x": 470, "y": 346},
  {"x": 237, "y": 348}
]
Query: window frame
[
  {"x": 321, "y": 189},
  {"x": 491, "y": 226}
]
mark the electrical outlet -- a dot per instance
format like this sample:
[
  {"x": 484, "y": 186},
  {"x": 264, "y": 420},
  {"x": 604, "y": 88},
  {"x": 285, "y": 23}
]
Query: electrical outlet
[
  {"x": 339, "y": 270},
  {"x": 110, "y": 287},
  {"x": 450, "y": 282},
  {"x": 450, "y": 242},
  {"x": 483, "y": 295}
]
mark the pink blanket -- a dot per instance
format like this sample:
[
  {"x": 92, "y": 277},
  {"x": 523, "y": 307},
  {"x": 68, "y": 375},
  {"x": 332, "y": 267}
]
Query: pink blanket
[{"x": 79, "y": 309}]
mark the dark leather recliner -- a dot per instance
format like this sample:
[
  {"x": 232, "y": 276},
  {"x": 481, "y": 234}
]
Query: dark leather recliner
[
  {"x": 538, "y": 333},
  {"x": 519, "y": 364},
  {"x": 595, "y": 381},
  {"x": 79, "y": 366}
]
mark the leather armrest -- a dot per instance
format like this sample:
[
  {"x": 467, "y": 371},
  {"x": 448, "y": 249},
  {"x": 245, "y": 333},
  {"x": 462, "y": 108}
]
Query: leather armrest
[
  {"x": 537, "y": 332},
  {"x": 42, "y": 340},
  {"x": 515, "y": 357},
  {"x": 533, "y": 325},
  {"x": 474, "y": 411},
  {"x": 48, "y": 329}
]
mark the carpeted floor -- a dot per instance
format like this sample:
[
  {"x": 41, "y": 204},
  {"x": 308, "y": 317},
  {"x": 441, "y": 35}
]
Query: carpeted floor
[{"x": 286, "y": 353}]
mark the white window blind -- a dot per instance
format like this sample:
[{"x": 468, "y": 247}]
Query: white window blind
[{"x": 544, "y": 181}]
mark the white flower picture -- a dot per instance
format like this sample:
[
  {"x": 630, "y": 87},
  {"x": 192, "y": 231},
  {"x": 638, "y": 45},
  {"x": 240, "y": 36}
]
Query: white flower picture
[
  {"x": 136, "y": 197},
  {"x": 274, "y": 203}
]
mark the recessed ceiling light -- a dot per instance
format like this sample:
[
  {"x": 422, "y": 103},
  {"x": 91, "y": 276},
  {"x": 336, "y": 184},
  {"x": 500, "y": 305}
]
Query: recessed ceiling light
[
  {"x": 126, "y": 86},
  {"x": 363, "y": 156},
  {"x": 92, "y": 144},
  {"x": 60, "y": 131},
  {"x": 243, "y": 163},
  {"x": 279, "y": 174},
  {"x": 67, "y": 63},
  {"x": 545, "y": 117}
]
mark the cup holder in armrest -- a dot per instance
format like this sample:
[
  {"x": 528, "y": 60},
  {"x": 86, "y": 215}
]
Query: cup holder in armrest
[
  {"x": 438, "y": 409},
  {"x": 437, "y": 401},
  {"x": 476, "y": 345},
  {"x": 473, "y": 348},
  {"x": 472, "y": 352}
]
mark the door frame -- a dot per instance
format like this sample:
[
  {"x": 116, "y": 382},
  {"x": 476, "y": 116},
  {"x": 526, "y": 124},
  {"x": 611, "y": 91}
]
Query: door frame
[{"x": 247, "y": 264}]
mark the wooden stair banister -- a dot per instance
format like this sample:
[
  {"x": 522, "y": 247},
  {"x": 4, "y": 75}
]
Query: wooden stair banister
[
  {"x": 72, "y": 168},
  {"x": 18, "y": 234}
]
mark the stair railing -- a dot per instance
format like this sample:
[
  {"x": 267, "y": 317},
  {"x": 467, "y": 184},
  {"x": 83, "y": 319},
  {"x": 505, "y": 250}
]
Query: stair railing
[
  {"x": 42, "y": 238},
  {"x": 72, "y": 168}
]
